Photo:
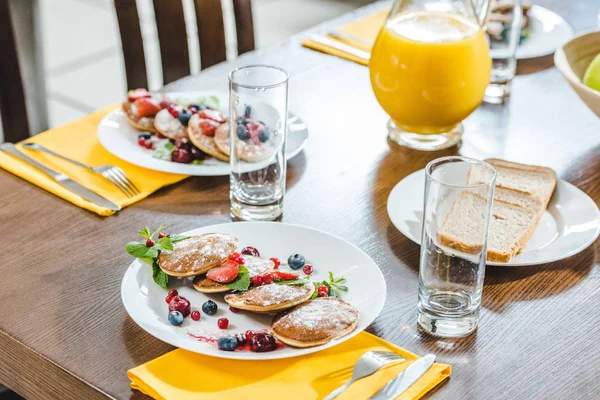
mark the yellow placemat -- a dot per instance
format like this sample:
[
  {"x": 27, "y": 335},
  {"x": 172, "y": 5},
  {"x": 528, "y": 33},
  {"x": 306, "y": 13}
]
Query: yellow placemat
[
  {"x": 184, "y": 375},
  {"x": 366, "y": 28},
  {"x": 78, "y": 140}
]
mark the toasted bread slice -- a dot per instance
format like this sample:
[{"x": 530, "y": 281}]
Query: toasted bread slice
[
  {"x": 271, "y": 298},
  {"x": 315, "y": 322},
  {"x": 198, "y": 254},
  {"x": 254, "y": 265}
]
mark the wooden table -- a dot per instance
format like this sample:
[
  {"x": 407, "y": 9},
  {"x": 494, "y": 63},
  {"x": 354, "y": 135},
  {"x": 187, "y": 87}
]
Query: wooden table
[{"x": 64, "y": 333}]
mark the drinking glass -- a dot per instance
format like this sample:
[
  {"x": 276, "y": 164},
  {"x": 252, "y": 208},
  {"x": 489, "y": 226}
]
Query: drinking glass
[
  {"x": 504, "y": 31},
  {"x": 258, "y": 109},
  {"x": 456, "y": 216}
]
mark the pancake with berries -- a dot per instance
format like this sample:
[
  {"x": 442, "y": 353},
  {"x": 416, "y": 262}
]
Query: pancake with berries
[
  {"x": 201, "y": 130},
  {"x": 140, "y": 109},
  {"x": 271, "y": 298},
  {"x": 198, "y": 254},
  {"x": 253, "y": 140},
  {"x": 315, "y": 322},
  {"x": 216, "y": 281}
]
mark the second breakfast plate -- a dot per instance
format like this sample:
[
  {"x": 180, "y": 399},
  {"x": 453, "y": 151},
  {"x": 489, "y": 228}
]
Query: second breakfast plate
[
  {"x": 117, "y": 136},
  {"x": 569, "y": 225},
  {"x": 144, "y": 300}
]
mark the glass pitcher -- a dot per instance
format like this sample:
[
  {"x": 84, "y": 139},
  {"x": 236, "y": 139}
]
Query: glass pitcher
[{"x": 429, "y": 69}]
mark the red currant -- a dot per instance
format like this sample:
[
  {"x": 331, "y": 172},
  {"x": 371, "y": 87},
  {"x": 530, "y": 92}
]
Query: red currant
[
  {"x": 196, "y": 315},
  {"x": 223, "y": 323},
  {"x": 251, "y": 251},
  {"x": 257, "y": 280},
  {"x": 323, "y": 294},
  {"x": 276, "y": 262},
  {"x": 237, "y": 257},
  {"x": 142, "y": 142},
  {"x": 307, "y": 269},
  {"x": 267, "y": 279},
  {"x": 161, "y": 235},
  {"x": 149, "y": 243},
  {"x": 249, "y": 335},
  {"x": 168, "y": 298},
  {"x": 173, "y": 292},
  {"x": 160, "y": 136},
  {"x": 172, "y": 110},
  {"x": 234, "y": 310},
  {"x": 323, "y": 291}
]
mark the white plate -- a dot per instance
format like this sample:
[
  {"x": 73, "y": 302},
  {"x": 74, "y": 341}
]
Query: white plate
[
  {"x": 548, "y": 32},
  {"x": 570, "y": 223},
  {"x": 118, "y": 137},
  {"x": 145, "y": 301}
]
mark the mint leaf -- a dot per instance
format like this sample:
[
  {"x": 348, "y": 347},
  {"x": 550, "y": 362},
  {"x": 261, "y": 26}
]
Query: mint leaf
[
  {"x": 331, "y": 277},
  {"x": 212, "y": 102},
  {"x": 177, "y": 238},
  {"x": 343, "y": 288},
  {"x": 315, "y": 293},
  {"x": 165, "y": 243},
  {"x": 197, "y": 162},
  {"x": 160, "y": 228},
  {"x": 139, "y": 250},
  {"x": 242, "y": 282},
  {"x": 159, "y": 276},
  {"x": 145, "y": 233}
]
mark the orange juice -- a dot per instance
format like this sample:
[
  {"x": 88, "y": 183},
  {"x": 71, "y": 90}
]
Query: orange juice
[{"x": 429, "y": 70}]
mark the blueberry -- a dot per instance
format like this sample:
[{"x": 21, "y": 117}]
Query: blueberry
[
  {"x": 227, "y": 343},
  {"x": 175, "y": 318},
  {"x": 241, "y": 120},
  {"x": 209, "y": 307},
  {"x": 241, "y": 131},
  {"x": 264, "y": 134},
  {"x": 296, "y": 261},
  {"x": 184, "y": 117},
  {"x": 198, "y": 107},
  {"x": 145, "y": 135},
  {"x": 247, "y": 111}
]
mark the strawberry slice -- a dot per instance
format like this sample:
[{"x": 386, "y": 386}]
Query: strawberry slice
[
  {"x": 209, "y": 127},
  {"x": 146, "y": 107},
  {"x": 227, "y": 272},
  {"x": 133, "y": 95},
  {"x": 213, "y": 115},
  {"x": 283, "y": 276}
]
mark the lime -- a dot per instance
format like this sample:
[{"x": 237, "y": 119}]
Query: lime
[{"x": 591, "y": 78}]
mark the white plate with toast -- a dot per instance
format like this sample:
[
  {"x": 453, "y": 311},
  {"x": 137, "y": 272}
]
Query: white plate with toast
[
  {"x": 569, "y": 224},
  {"x": 145, "y": 302}
]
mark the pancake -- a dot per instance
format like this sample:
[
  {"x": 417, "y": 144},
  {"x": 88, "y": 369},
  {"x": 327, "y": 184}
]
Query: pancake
[
  {"x": 270, "y": 298},
  {"x": 222, "y": 138},
  {"x": 168, "y": 126},
  {"x": 247, "y": 150},
  {"x": 254, "y": 265},
  {"x": 205, "y": 143},
  {"x": 315, "y": 322},
  {"x": 198, "y": 254},
  {"x": 142, "y": 124}
]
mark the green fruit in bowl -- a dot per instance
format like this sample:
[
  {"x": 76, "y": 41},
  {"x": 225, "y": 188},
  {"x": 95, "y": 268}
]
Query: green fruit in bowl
[{"x": 591, "y": 78}]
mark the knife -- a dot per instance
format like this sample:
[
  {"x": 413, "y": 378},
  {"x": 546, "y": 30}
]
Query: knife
[
  {"x": 405, "y": 379},
  {"x": 340, "y": 46},
  {"x": 61, "y": 179}
]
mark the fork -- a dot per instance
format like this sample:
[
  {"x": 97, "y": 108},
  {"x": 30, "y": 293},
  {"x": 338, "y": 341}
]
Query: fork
[
  {"x": 114, "y": 174},
  {"x": 368, "y": 364}
]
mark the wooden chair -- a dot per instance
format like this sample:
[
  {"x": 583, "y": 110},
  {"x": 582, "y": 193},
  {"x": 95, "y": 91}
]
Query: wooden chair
[
  {"x": 172, "y": 36},
  {"x": 13, "y": 109}
]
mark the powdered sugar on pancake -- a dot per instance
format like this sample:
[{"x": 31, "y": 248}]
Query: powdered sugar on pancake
[
  {"x": 271, "y": 294},
  {"x": 169, "y": 126},
  {"x": 198, "y": 253},
  {"x": 257, "y": 266}
]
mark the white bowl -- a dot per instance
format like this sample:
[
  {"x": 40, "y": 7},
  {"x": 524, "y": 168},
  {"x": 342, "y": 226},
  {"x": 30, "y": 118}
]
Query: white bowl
[{"x": 573, "y": 58}]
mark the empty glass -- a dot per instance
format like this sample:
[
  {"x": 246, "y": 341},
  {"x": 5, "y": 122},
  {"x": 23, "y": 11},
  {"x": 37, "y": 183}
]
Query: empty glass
[
  {"x": 258, "y": 108},
  {"x": 456, "y": 216},
  {"x": 504, "y": 30}
]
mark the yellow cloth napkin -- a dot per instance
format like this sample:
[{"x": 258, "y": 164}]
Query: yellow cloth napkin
[
  {"x": 78, "y": 140},
  {"x": 366, "y": 28},
  {"x": 183, "y": 375}
]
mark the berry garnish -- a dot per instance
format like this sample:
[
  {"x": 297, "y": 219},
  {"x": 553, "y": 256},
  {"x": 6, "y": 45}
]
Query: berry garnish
[
  {"x": 184, "y": 117},
  {"x": 169, "y": 298},
  {"x": 237, "y": 257},
  {"x": 145, "y": 136},
  {"x": 212, "y": 115},
  {"x": 160, "y": 136},
  {"x": 195, "y": 315},
  {"x": 257, "y": 280},
  {"x": 241, "y": 339},
  {"x": 208, "y": 126},
  {"x": 296, "y": 261},
  {"x": 227, "y": 272},
  {"x": 323, "y": 291},
  {"x": 283, "y": 276},
  {"x": 249, "y": 335},
  {"x": 181, "y": 304},
  {"x": 209, "y": 307},
  {"x": 133, "y": 95},
  {"x": 172, "y": 109},
  {"x": 253, "y": 128},
  {"x": 234, "y": 310},
  {"x": 241, "y": 132},
  {"x": 307, "y": 269},
  {"x": 248, "y": 111},
  {"x": 223, "y": 323},
  {"x": 173, "y": 292},
  {"x": 149, "y": 243},
  {"x": 197, "y": 154},
  {"x": 276, "y": 262},
  {"x": 162, "y": 235},
  {"x": 183, "y": 143},
  {"x": 263, "y": 134},
  {"x": 175, "y": 318},
  {"x": 146, "y": 107},
  {"x": 164, "y": 103},
  {"x": 251, "y": 251},
  {"x": 182, "y": 156},
  {"x": 262, "y": 342},
  {"x": 267, "y": 279},
  {"x": 227, "y": 343}
]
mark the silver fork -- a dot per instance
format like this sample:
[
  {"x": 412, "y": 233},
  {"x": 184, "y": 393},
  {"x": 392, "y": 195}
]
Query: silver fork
[
  {"x": 368, "y": 364},
  {"x": 114, "y": 174}
]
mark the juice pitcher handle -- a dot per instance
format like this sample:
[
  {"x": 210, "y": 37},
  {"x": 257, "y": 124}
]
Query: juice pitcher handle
[{"x": 481, "y": 9}]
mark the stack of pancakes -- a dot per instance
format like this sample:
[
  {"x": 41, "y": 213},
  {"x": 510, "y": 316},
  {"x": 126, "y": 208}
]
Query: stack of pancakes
[{"x": 299, "y": 321}]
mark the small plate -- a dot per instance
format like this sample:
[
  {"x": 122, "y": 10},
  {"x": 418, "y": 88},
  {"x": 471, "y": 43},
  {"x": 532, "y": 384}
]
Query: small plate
[
  {"x": 569, "y": 225},
  {"x": 548, "y": 32},
  {"x": 117, "y": 136},
  {"x": 145, "y": 301}
]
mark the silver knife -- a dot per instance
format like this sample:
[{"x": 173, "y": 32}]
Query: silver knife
[
  {"x": 405, "y": 379},
  {"x": 340, "y": 46},
  {"x": 61, "y": 178}
]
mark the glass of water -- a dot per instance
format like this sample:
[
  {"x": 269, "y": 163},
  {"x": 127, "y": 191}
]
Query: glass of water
[
  {"x": 258, "y": 109},
  {"x": 504, "y": 31},
  {"x": 458, "y": 202}
]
